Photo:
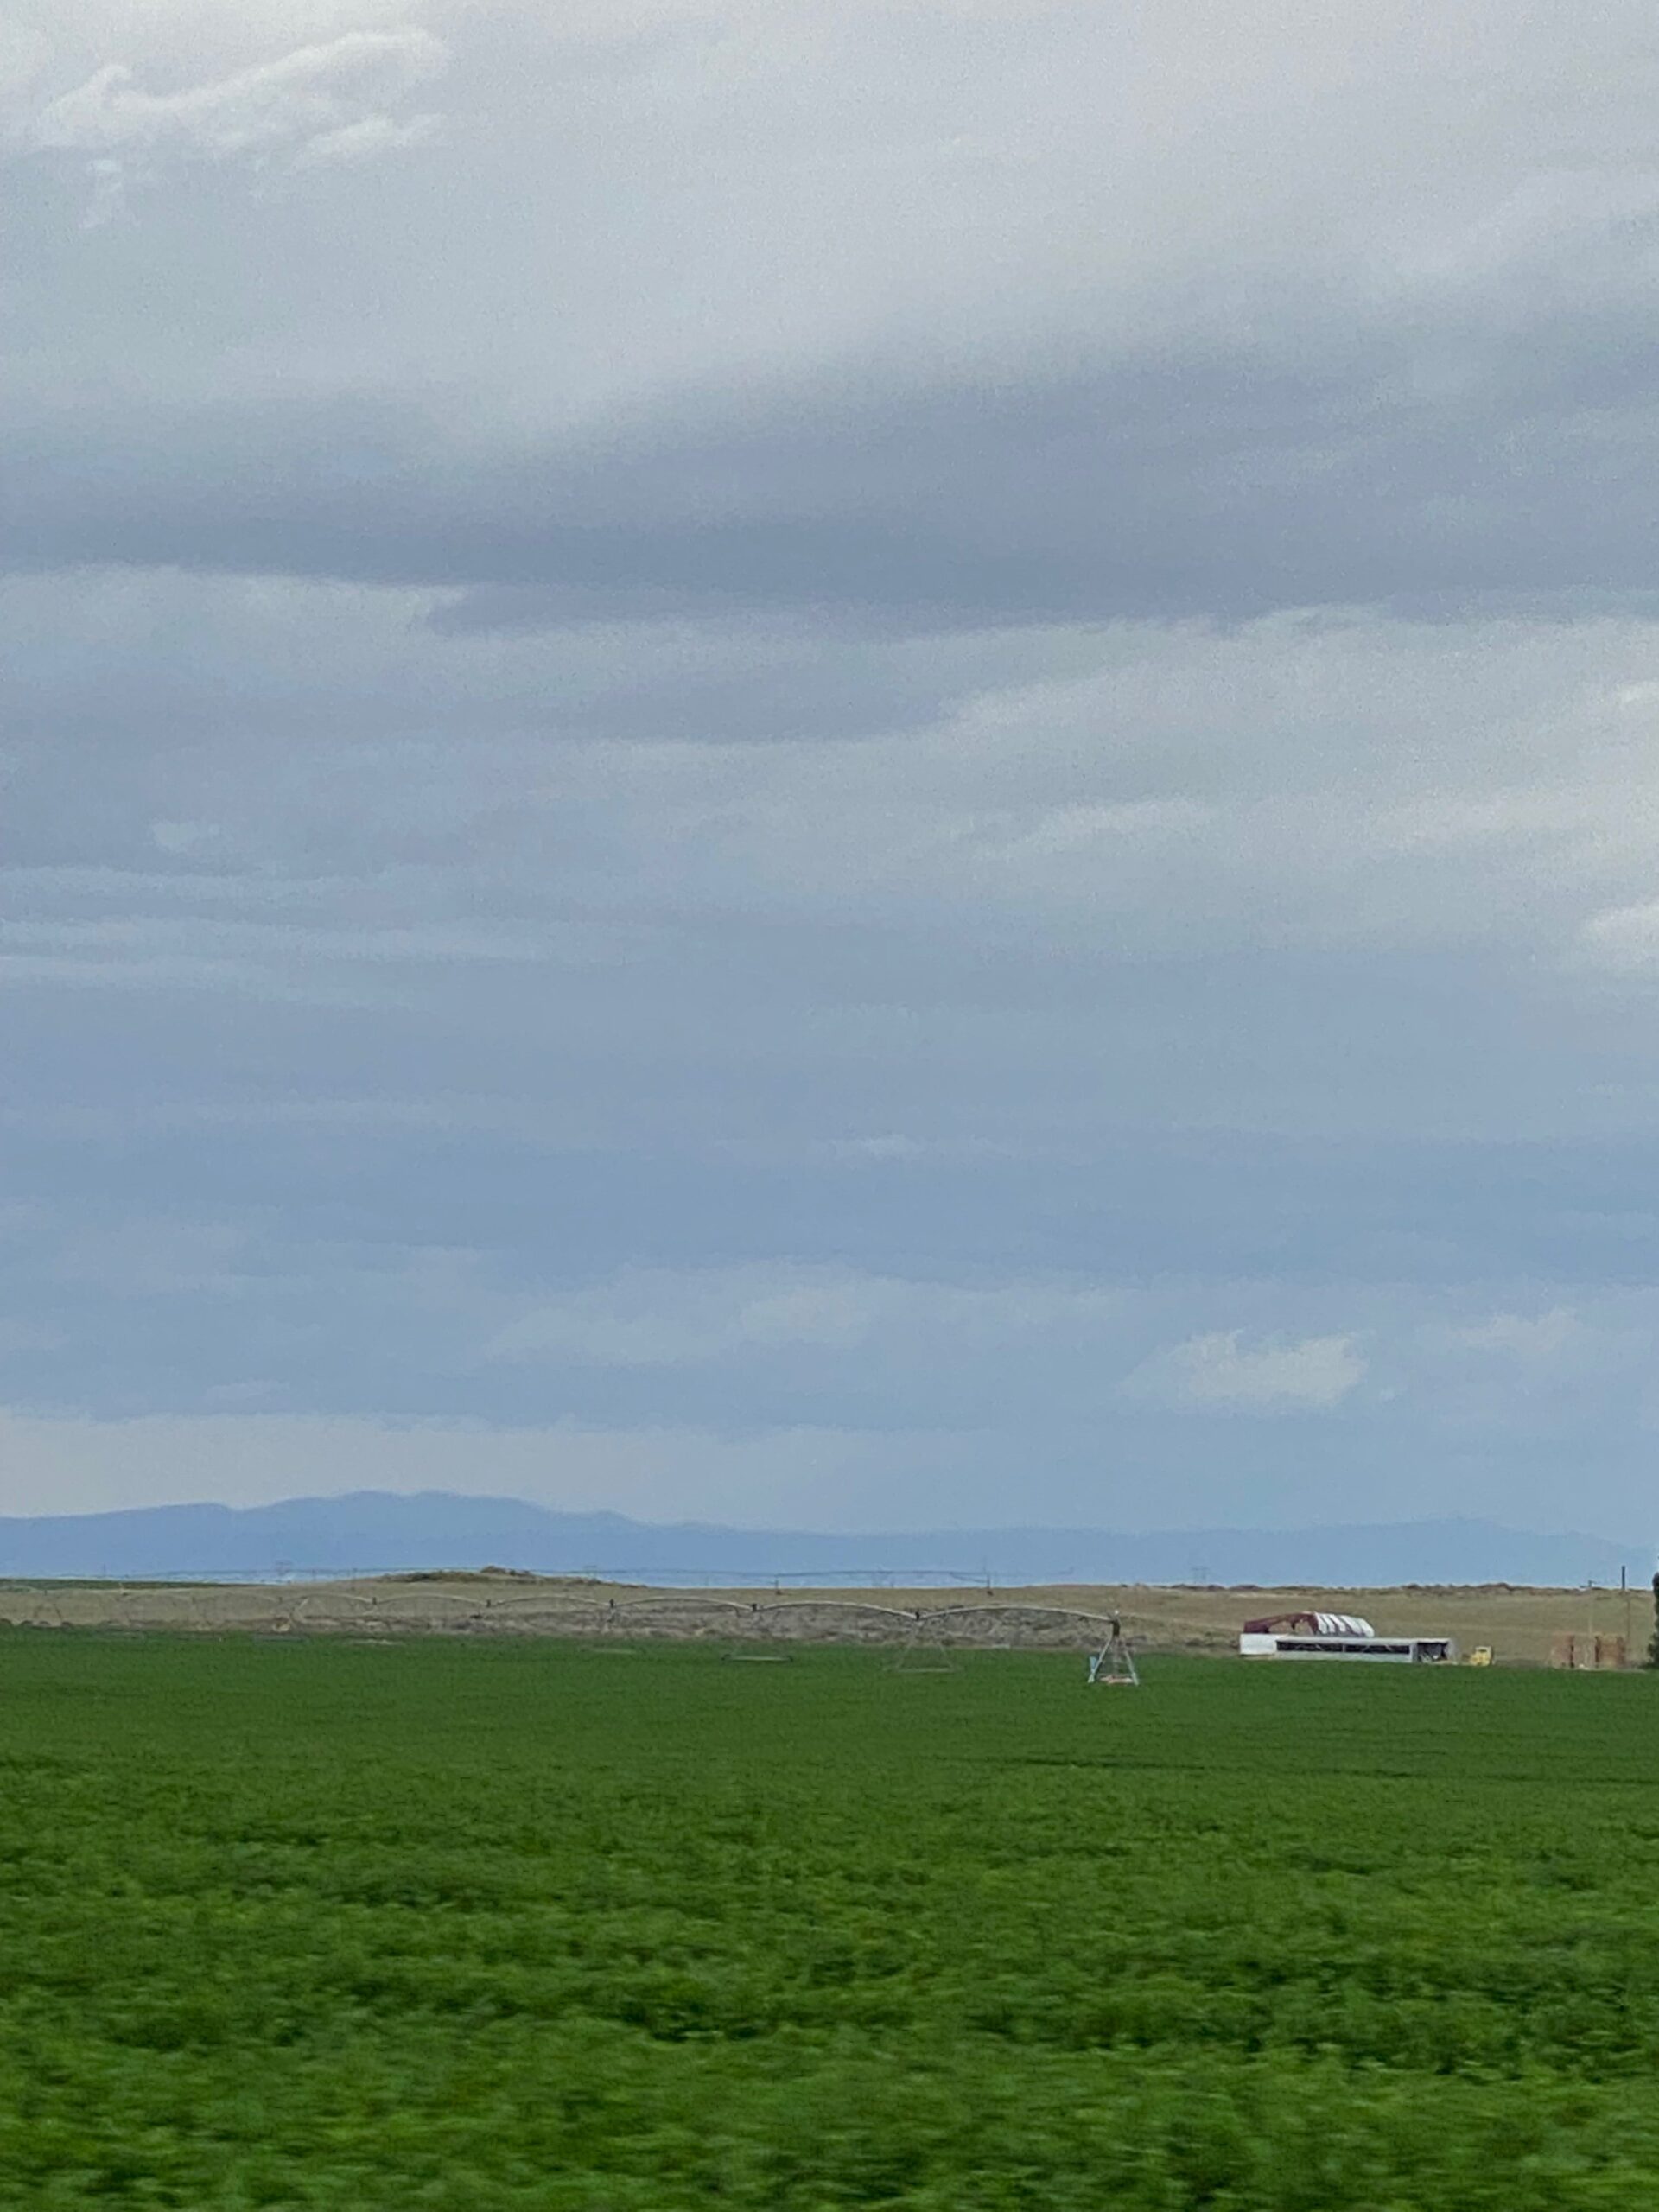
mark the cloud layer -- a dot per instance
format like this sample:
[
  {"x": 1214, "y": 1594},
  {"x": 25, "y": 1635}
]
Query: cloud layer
[{"x": 837, "y": 765}]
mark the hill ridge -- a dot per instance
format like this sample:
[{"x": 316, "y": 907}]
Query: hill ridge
[{"x": 380, "y": 1531}]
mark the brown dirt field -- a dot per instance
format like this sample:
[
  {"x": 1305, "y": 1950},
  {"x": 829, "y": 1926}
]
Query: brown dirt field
[{"x": 1518, "y": 1624}]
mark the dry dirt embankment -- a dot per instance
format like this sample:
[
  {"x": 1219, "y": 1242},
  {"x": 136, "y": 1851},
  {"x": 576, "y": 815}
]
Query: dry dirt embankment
[{"x": 1517, "y": 1623}]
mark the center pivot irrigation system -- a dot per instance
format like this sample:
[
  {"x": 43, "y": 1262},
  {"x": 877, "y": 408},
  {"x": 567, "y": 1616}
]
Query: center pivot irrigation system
[
  {"x": 926, "y": 1640},
  {"x": 909, "y": 1640},
  {"x": 1113, "y": 1665}
]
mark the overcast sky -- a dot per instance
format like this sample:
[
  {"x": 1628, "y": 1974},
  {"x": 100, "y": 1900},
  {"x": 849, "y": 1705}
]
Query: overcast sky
[{"x": 833, "y": 763}]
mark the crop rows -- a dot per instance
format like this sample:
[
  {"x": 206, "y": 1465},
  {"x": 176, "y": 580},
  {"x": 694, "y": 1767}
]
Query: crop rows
[{"x": 511, "y": 1925}]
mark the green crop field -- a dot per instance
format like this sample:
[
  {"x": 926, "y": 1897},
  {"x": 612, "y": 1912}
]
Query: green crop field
[{"x": 473, "y": 1926}]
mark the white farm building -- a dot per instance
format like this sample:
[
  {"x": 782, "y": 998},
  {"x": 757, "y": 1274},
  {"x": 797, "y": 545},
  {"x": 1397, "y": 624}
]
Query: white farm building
[{"x": 1338, "y": 1636}]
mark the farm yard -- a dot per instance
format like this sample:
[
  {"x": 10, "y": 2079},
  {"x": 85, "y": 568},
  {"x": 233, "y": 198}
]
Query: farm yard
[{"x": 623, "y": 1927}]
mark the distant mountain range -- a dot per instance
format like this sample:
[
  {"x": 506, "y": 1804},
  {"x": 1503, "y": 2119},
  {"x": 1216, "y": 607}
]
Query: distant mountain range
[{"x": 370, "y": 1531}]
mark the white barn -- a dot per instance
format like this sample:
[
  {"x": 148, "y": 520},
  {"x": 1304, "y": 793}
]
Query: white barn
[{"x": 1339, "y": 1636}]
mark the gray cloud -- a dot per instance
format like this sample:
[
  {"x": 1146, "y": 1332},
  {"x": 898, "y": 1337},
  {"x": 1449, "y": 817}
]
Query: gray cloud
[
  {"x": 684, "y": 319},
  {"x": 1172, "y": 487}
]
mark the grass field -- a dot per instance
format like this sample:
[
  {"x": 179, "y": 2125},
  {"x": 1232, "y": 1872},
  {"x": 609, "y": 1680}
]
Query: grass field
[{"x": 479, "y": 1925}]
